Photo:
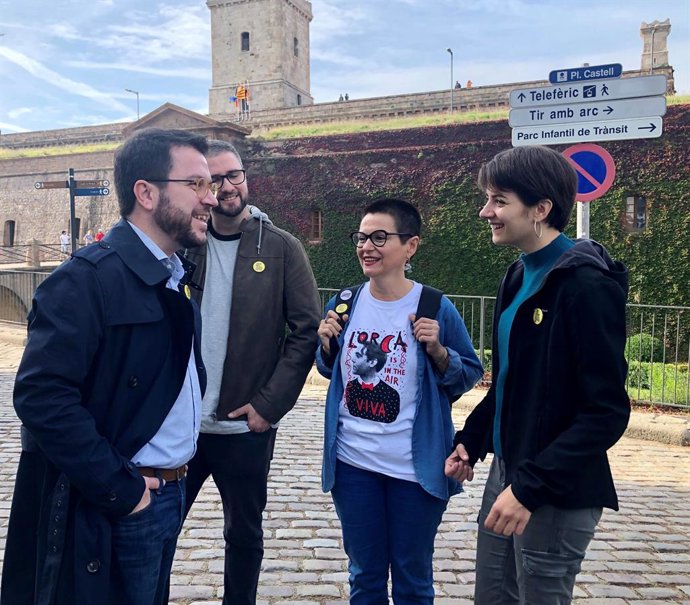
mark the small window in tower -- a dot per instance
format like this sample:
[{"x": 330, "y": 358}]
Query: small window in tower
[
  {"x": 316, "y": 227},
  {"x": 635, "y": 216},
  {"x": 8, "y": 234},
  {"x": 299, "y": 99},
  {"x": 295, "y": 46},
  {"x": 245, "y": 41}
]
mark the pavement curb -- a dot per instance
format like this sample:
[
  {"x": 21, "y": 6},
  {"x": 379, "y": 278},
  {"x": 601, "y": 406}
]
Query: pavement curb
[{"x": 663, "y": 428}]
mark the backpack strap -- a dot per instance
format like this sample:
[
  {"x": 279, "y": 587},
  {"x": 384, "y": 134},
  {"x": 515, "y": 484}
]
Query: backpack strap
[
  {"x": 343, "y": 306},
  {"x": 429, "y": 302}
]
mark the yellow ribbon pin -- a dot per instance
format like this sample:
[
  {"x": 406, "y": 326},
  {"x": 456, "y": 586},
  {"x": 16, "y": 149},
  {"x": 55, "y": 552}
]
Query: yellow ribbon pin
[
  {"x": 187, "y": 291},
  {"x": 259, "y": 266},
  {"x": 538, "y": 316},
  {"x": 341, "y": 308}
]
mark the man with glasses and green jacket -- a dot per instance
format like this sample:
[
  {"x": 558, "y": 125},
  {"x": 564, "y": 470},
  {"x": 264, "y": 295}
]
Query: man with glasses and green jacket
[{"x": 260, "y": 310}]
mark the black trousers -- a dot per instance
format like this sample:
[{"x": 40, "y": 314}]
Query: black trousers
[{"x": 239, "y": 465}]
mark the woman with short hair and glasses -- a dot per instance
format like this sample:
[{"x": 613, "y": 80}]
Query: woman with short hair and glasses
[
  {"x": 388, "y": 426},
  {"x": 557, "y": 401}
]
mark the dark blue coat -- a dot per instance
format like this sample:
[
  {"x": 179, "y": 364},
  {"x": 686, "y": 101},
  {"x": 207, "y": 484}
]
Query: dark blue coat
[{"x": 105, "y": 361}]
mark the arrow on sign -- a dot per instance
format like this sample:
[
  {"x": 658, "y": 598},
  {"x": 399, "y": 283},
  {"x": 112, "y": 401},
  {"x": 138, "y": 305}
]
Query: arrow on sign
[
  {"x": 651, "y": 127},
  {"x": 608, "y": 110},
  {"x": 521, "y": 96}
]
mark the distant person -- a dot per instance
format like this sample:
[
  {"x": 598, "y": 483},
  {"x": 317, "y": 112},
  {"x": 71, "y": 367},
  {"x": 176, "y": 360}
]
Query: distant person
[
  {"x": 109, "y": 391},
  {"x": 88, "y": 238},
  {"x": 457, "y": 84},
  {"x": 341, "y": 98},
  {"x": 64, "y": 242},
  {"x": 99, "y": 235},
  {"x": 557, "y": 400},
  {"x": 347, "y": 97},
  {"x": 469, "y": 84},
  {"x": 383, "y": 454}
]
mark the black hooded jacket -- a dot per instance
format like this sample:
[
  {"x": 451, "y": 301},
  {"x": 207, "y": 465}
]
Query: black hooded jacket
[{"x": 564, "y": 401}]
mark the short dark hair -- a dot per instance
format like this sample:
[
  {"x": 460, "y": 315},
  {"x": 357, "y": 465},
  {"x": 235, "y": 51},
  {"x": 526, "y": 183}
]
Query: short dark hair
[
  {"x": 216, "y": 147},
  {"x": 405, "y": 215},
  {"x": 146, "y": 155},
  {"x": 374, "y": 353},
  {"x": 534, "y": 173}
]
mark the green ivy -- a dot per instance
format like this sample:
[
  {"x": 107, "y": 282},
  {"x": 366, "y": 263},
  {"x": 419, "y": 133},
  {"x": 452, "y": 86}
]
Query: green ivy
[{"x": 436, "y": 167}]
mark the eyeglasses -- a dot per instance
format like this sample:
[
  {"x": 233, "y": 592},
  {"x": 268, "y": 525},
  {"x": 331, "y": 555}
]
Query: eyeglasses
[
  {"x": 378, "y": 237},
  {"x": 234, "y": 177},
  {"x": 201, "y": 185}
]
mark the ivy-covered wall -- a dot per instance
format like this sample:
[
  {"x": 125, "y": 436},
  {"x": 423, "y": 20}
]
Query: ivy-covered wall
[{"x": 436, "y": 168}]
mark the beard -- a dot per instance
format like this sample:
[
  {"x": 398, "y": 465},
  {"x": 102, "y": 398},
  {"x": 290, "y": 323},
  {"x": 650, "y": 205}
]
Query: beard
[
  {"x": 239, "y": 204},
  {"x": 176, "y": 224}
]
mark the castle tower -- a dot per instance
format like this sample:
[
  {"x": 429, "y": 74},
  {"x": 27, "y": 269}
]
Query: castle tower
[
  {"x": 264, "y": 43},
  {"x": 654, "y": 44}
]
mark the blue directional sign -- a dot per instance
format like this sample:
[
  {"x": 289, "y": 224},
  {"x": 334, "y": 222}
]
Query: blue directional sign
[
  {"x": 92, "y": 191},
  {"x": 578, "y": 74}
]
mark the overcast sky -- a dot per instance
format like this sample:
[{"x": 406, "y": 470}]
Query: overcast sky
[{"x": 66, "y": 63}]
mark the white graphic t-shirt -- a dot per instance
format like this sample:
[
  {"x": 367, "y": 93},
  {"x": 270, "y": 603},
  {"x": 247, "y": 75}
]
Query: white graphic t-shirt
[{"x": 379, "y": 368}]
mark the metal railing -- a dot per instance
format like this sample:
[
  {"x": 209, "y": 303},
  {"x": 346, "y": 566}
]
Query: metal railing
[
  {"x": 657, "y": 350},
  {"x": 31, "y": 254}
]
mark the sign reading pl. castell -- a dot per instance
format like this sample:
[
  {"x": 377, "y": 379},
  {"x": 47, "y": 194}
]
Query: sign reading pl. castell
[
  {"x": 577, "y": 74},
  {"x": 603, "y": 110}
]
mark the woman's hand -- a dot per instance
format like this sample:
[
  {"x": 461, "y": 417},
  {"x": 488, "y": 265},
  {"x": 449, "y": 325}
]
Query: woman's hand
[
  {"x": 330, "y": 327},
  {"x": 426, "y": 331},
  {"x": 458, "y": 465}
]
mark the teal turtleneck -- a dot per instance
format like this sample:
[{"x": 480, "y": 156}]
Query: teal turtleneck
[{"x": 536, "y": 266}]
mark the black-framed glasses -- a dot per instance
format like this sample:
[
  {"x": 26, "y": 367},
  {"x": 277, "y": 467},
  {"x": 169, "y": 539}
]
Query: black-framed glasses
[
  {"x": 234, "y": 177},
  {"x": 378, "y": 237},
  {"x": 201, "y": 185}
]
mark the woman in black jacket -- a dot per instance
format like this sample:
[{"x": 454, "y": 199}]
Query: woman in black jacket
[{"x": 557, "y": 401}]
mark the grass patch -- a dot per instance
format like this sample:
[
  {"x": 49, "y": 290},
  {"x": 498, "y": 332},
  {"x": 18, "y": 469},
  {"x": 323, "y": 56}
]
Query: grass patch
[
  {"x": 296, "y": 131},
  {"x": 659, "y": 382},
  {"x": 678, "y": 100},
  {"x": 41, "y": 152}
]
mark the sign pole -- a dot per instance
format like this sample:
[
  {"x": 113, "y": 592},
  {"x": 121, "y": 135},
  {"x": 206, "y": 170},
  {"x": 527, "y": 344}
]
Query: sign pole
[
  {"x": 72, "y": 217},
  {"x": 582, "y": 220}
]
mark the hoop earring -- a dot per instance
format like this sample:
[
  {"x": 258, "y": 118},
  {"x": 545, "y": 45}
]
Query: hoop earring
[
  {"x": 407, "y": 266},
  {"x": 541, "y": 229}
]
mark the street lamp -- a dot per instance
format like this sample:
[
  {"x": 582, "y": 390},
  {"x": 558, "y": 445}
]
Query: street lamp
[
  {"x": 451, "y": 79},
  {"x": 134, "y": 92}
]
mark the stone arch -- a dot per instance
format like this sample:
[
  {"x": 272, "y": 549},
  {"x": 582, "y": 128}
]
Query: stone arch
[{"x": 12, "y": 308}]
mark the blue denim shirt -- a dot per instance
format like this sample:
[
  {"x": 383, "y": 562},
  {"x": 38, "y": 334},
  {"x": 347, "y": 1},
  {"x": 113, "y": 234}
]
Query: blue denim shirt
[{"x": 432, "y": 429}]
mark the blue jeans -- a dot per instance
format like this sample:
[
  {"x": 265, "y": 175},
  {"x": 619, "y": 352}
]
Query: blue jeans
[
  {"x": 539, "y": 567},
  {"x": 387, "y": 524},
  {"x": 144, "y": 545}
]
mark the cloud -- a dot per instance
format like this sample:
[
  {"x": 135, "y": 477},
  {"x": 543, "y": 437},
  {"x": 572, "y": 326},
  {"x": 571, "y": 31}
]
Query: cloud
[
  {"x": 5, "y": 126},
  {"x": 57, "y": 80},
  {"x": 192, "y": 73},
  {"x": 20, "y": 111}
]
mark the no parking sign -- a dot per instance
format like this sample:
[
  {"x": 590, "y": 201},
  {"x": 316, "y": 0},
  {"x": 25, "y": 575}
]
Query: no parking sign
[{"x": 595, "y": 170}]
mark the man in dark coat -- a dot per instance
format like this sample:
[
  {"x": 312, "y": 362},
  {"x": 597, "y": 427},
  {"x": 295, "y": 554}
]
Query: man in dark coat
[{"x": 109, "y": 394}]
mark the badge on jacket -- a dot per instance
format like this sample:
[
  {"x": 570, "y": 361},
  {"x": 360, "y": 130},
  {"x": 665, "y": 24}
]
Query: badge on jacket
[
  {"x": 538, "y": 316},
  {"x": 258, "y": 266}
]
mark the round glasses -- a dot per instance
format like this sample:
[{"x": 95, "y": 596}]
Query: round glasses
[
  {"x": 378, "y": 237},
  {"x": 201, "y": 185},
  {"x": 234, "y": 177}
]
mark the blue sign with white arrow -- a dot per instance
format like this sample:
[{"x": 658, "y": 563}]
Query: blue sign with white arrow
[
  {"x": 578, "y": 74},
  {"x": 92, "y": 191}
]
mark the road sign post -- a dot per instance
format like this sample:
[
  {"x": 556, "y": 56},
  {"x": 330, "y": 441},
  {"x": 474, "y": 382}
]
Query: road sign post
[
  {"x": 596, "y": 172},
  {"x": 72, "y": 212}
]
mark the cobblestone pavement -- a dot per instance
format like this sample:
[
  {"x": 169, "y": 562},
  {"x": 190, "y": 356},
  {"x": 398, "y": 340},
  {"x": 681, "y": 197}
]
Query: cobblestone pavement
[{"x": 640, "y": 555}]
